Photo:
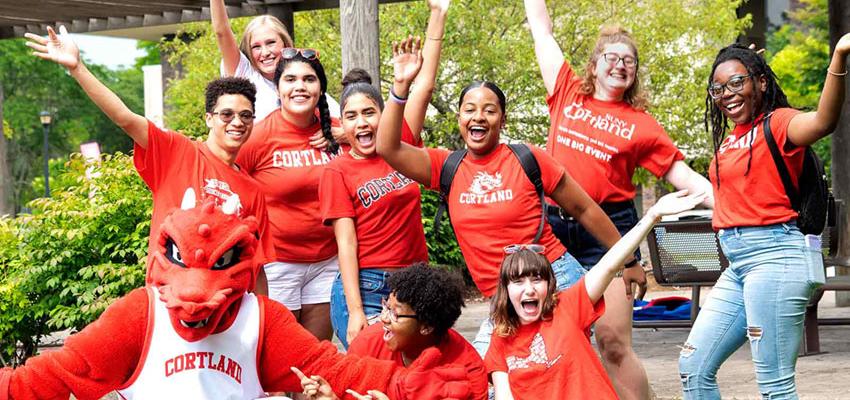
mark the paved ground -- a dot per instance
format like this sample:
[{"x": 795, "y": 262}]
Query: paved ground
[{"x": 823, "y": 376}]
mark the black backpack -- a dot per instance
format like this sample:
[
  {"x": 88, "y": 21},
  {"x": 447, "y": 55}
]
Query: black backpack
[
  {"x": 812, "y": 198},
  {"x": 529, "y": 165}
]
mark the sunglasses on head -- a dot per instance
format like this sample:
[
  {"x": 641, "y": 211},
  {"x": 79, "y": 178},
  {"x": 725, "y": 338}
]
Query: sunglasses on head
[
  {"x": 292, "y": 52},
  {"x": 513, "y": 248}
]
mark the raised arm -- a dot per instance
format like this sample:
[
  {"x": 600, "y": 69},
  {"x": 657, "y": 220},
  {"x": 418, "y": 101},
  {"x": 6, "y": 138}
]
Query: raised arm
[
  {"x": 598, "y": 278},
  {"x": 412, "y": 161},
  {"x": 550, "y": 58},
  {"x": 682, "y": 177},
  {"x": 420, "y": 97},
  {"x": 806, "y": 128},
  {"x": 62, "y": 50},
  {"x": 501, "y": 385},
  {"x": 224, "y": 37}
]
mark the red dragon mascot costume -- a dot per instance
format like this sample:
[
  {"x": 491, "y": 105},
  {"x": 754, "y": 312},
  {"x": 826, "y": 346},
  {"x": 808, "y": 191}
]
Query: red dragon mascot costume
[{"x": 194, "y": 332}]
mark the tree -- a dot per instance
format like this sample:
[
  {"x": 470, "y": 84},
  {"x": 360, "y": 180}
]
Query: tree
[{"x": 798, "y": 52}]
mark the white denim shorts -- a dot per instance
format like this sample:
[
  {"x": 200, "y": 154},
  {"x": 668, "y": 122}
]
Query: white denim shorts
[{"x": 294, "y": 284}]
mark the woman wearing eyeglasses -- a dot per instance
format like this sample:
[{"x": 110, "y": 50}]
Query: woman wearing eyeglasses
[
  {"x": 600, "y": 132},
  {"x": 282, "y": 159},
  {"x": 256, "y": 56},
  {"x": 168, "y": 162},
  {"x": 773, "y": 268},
  {"x": 375, "y": 210},
  {"x": 492, "y": 203}
]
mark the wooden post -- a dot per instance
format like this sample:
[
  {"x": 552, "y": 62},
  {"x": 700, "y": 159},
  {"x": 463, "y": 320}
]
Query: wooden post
[
  {"x": 756, "y": 33},
  {"x": 284, "y": 13},
  {"x": 839, "y": 24},
  {"x": 360, "y": 40}
]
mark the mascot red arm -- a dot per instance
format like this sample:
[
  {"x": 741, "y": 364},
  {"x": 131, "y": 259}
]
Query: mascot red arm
[{"x": 197, "y": 332}]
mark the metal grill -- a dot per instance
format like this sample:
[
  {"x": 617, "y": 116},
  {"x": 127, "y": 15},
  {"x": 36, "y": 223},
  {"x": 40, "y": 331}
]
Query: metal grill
[{"x": 685, "y": 253}]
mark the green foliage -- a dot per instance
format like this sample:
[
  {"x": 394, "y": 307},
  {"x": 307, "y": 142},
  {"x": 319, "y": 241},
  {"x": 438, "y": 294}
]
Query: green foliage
[
  {"x": 76, "y": 253},
  {"x": 152, "y": 54},
  {"x": 798, "y": 53},
  {"x": 442, "y": 247},
  {"x": 32, "y": 85}
]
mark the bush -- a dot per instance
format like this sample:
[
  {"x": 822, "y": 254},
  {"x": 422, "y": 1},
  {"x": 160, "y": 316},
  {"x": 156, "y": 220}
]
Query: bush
[{"x": 78, "y": 251}]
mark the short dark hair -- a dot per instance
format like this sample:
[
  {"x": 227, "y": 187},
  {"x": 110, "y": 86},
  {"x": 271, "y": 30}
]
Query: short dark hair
[
  {"x": 229, "y": 85},
  {"x": 489, "y": 85},
  {"x": 358, "y": 81},
  {"x": 433, "y": 293}
]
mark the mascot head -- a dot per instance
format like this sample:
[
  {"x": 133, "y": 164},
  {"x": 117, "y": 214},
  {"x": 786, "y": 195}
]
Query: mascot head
[{"x": 203, "y": 264}]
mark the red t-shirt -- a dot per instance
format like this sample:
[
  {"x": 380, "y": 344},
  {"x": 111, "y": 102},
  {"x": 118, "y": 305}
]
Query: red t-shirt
[
  {"x": 493, "y": 204},
  {"x": 757, "y": 197},
  {"x": 173, "y": 163},
  {"x": 279, "y": 156},
  {"x": 455, "y": 350},
  {"x": 384, "y": 204},
  {"x": 601, "y": 143},
  {"x": 553, "y": 359}
]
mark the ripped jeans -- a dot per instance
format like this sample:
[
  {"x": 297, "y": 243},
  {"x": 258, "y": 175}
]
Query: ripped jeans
[{"x": 762, "y": 297}]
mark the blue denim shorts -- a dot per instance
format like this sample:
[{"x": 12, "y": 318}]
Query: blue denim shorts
[
  {"x": 373, "y": 288},
  {"x": 581, "y": 244}
]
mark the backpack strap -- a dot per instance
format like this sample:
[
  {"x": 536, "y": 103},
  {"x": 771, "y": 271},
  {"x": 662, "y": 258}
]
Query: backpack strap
[
  {"x": 790, "y": 190},
  {"x": 447, "y": 174},
  {"x": 532, "y": 171}
]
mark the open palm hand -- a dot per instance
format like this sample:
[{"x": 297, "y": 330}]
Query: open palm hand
[
  {"x": 60, "y": 48},
  {"x": 407, "y": 59}
]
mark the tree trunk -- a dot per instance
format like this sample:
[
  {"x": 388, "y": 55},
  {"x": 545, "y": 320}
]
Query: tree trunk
[
  {"x": 839, "y": 24},
  {"x": 6, "y": 204},
  {"x": 360, "y": 40}
]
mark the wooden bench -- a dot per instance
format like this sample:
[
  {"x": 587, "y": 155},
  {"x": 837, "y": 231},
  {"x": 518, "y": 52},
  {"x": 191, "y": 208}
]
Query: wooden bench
[{"x": 687, "y": 253}]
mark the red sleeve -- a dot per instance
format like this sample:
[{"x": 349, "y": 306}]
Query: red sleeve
[
  {"x": 365, "y": 344},
  {"x": 334, "y": 198},
  {"x": 574, "y": 304},
  {"x": 156, "y": 162},
  {"x": 93, "y": 362},
  {"x": 495, "y": 359},
  {"x": 659, "y": 154},
  {"x": 407, "y": 135},
  {"x": 438, "y": 157},
  {"x": 286, "y": 344},
  {"x": 779, "y": 127},
  {"x": 266, "y": 250},
  {"x": 551, "y": 171},
  {"x": 565, "y": 83},
  {"x": 469, "y": 357}
]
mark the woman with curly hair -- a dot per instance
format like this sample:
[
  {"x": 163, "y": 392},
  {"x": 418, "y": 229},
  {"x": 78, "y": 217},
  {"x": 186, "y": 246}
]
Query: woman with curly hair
[
  {"x": 773, "y": 268},
  {"x": 600, "y": 132}
]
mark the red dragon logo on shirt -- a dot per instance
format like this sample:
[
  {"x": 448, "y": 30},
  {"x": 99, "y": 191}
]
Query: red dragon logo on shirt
[{"x": 203, "y": 264}]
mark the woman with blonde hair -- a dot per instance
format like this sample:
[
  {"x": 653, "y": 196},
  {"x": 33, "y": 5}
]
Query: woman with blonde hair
[
  {"x": 600, "y": 132},
  {"x": 255, "y": 56}
]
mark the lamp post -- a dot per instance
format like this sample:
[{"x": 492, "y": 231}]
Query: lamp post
[{"x": 46, "y": 119}]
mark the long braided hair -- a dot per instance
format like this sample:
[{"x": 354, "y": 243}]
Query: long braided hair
[
  {"x": 772, "y": 98},
  {"x": 322, "y": 105}
]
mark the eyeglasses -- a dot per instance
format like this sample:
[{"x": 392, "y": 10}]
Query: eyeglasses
[
  {"x": 613, "y": 59},
  {"x": 391, "y": 313},
  {"x": 227, "y": 115},
  {"x": 735, "y": 84},
  {"x": 513, "y": 248},
  {"x": 291, "y": 52}
]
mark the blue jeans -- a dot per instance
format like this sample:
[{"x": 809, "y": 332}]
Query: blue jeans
[
  {"x": 581, "y": 244},
  {"x": 567, "y": 271},
  {"x": 373, "y": 288},
  {"x": 761, "y": 297}
]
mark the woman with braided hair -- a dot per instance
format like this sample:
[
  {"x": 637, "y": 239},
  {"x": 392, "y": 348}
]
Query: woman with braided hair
[
  {"x": 281, "y": 157},
  {"x": 773, "y": 268}
]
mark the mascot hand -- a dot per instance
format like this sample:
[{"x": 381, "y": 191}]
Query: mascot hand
[
  {"x": 424, "y": 379},
  {"x": 5, "y": 380}
]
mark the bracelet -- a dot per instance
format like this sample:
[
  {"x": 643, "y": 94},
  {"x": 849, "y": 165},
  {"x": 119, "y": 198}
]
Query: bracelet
[
  {"x": 835, "y": 73},
  {"x": 396, "y": 99},
  {"x": 632, "y": 263},
  {"x": 435, "y": 39}
]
